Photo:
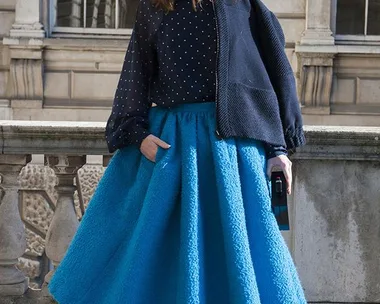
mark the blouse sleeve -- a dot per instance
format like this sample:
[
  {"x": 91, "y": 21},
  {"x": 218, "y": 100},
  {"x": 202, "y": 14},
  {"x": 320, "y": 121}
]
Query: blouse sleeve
[{"x": 128, "y": 122}]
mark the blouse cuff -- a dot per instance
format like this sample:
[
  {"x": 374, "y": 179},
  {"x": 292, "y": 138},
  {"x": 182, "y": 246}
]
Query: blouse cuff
[
  {"x": 274, "y": 151},
  {"x": 138, "y": 135}
]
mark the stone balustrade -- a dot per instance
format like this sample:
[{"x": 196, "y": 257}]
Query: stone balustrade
[
  {"x": 64, "y": 146},
  {"x": 334, "y": 207}
]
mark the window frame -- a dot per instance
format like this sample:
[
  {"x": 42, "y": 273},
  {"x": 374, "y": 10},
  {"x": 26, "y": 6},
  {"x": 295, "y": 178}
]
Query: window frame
[
  {"x": 84, "y": 32},
  {"x": 349, "y": 38}
]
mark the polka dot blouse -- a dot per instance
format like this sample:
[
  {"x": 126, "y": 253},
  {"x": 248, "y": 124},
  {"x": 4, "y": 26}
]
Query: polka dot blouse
[
  {"x": 186, "y": 52},
  {"x": 169, "y": 61}
]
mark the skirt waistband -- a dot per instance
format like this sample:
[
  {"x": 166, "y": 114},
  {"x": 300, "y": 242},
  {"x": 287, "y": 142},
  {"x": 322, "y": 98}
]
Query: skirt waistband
[{"x": 192, "y": 107}]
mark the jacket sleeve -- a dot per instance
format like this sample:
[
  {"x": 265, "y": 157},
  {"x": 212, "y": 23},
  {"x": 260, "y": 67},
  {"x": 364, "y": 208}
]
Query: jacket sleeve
[
  {"x": 273, "y": 150},
  {"x": 128, "y": 121},
  {"x": 272, "y": 43}
]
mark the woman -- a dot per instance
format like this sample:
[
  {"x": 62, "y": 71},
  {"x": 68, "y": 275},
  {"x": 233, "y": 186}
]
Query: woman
[{"x": 182, "y": 213}]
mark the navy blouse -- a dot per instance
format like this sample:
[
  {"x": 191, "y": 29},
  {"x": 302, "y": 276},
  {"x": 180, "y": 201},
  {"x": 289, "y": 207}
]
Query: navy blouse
[
  {"x": 181, "y": 71},
  {"x": 186, "y": 65}
]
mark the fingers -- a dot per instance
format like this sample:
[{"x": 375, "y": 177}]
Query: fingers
[
  {"x": 161, "y": 143},
  {"x": 283, "y": 163},
  {"x": 288, "y": 176},
  {"x": 149, "y": 147}
]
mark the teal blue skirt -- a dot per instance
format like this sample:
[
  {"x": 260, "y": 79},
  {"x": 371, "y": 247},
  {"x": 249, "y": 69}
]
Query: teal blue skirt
[{"x": 195, "y": 227}]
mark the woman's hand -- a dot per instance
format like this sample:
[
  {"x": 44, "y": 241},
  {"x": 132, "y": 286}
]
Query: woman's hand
[
  {"x": 283, "y": 163},
  {"x": 149, "y": 147}
]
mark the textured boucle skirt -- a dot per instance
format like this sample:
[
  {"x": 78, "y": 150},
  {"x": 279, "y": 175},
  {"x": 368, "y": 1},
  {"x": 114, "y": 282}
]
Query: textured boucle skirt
[{"x": 194, "y": 227}]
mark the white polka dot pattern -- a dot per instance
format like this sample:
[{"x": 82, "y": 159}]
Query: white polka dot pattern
[
  {"x": 186, "y": 52},
  {"x": 170, "y": 60}
]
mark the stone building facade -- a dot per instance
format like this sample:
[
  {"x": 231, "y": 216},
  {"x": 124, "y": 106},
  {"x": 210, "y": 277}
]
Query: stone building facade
[{"x": 55, "y": 66}]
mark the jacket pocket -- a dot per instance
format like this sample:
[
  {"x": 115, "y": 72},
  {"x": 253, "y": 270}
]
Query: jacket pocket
[{"x": 254, "y": 113}]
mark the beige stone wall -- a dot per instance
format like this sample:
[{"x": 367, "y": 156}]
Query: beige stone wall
[
  {"x": 86, "y": 73},
  {"x": 291, "y": 14},
  {"x": 355, "y": 82},
  {"x": 356, "y": 85}
]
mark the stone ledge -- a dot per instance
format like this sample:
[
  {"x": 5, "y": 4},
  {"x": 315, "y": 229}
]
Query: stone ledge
[
  {"x": 338, "y": 135},
  {"x": 340, "y": 143},
  {"x": 87, "y": 138},
  {"x": 47, "y": 137},
  {"x": 27, "y": 103},
  {"x": 365, "y": 50}
]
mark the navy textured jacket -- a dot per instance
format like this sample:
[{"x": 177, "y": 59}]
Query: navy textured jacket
[{"x": 255, "y": 86}]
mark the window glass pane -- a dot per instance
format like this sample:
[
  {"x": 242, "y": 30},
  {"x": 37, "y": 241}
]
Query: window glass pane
[
  {"x": 69, "y": 13},
  {"x": 99, "y": 13},
  {"x": 374, "y": 17},
  {"x": 350, "y": 17}
]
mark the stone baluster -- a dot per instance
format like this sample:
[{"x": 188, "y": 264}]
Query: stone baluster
[
  {"x": 12, "y": 230},
  {"x": 65, "y": 222}
]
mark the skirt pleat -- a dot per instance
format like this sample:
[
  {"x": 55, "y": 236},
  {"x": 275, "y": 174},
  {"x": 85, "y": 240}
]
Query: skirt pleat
[{"x": 195, "y": 227}]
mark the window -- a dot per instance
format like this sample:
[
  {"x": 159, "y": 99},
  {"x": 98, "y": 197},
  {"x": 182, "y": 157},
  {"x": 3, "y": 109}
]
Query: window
[
  {"x": 93, "y": 16},
  {"x": 358, "y": 17}
]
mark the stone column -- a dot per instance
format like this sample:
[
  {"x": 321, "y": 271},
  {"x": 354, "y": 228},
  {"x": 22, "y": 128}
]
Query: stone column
[
  {"x": 25, "y": 43},
  {"x": 28, "y": 20},
  {"x": 12, "y": 230},
  {"x": 318, "y": 26},
  {"x": 65, "y": 222},
  {"x": 316, "y": 52}
]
